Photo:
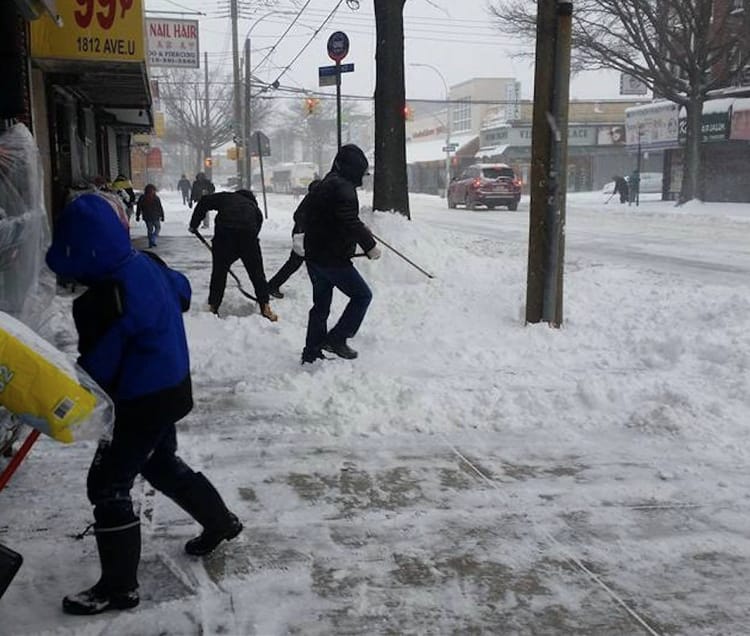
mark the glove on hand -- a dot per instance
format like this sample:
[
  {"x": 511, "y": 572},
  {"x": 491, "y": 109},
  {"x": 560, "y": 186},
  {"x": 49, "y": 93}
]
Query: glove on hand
[
  {"x": 374, "y": 254},
  {"x": 267, "y": 312}
]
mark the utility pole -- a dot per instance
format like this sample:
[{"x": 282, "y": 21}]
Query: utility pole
[
  {"x": 207, "y": 131},
  {"x": 247, "y": 121},
  {"x": 237, "y": 123},
  {"x": 549, "y": 159}
]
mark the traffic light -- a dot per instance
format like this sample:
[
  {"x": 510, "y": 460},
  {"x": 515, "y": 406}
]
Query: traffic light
[
  {"x": 408, "y": 112},
  {"x": 208, "y": 162},
  {"x": 311, "y": 105}
]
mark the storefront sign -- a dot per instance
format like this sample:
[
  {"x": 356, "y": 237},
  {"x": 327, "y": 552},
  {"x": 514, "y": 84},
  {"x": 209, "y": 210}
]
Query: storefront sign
[
  {"x": 653, "y": 126},
  {"x": 714, "y": 121},
  {"x": 740, "y": 119},
  {"x": 173, "y": 43},
  {"x": 97, "y": 30}
]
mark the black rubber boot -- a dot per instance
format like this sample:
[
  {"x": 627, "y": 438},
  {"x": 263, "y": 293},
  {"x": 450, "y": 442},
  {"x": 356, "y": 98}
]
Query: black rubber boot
[
  {"x": 117, "y": 589},
  {"x": 204, "y": 504},
  {"x": 341, "y": 349}
]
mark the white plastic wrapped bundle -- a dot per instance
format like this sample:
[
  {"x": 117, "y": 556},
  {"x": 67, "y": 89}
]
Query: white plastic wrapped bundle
[
  {"x": 24, "y": 229},
  {"x": 43, "y": 389}
]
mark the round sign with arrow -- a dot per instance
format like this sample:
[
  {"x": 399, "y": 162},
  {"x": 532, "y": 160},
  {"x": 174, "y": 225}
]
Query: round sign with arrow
[{"x": 338, "y": 46}]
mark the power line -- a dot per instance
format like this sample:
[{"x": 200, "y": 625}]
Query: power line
[{"x": 283, "y": 35}]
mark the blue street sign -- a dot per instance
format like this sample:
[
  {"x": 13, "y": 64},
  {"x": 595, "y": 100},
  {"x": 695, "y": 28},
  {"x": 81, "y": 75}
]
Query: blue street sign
[{"x": 324, "y": 71}]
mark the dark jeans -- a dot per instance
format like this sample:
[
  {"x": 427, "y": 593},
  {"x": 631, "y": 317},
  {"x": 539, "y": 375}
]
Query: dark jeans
[
  {"x": 228, "y": 245},
  {"x": 186, "y": 197},
  {"x": 147, "y": 448},
  {"x": 293, "y": 263},
  {"x": 347, "y": 280}
]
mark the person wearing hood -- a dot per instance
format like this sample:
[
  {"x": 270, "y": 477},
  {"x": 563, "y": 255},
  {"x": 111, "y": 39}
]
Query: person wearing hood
[
  {"x": 332, "y": 231},
  {"x": 150, "y": 208},
  {"x": 201, "y": 187},
  {"x": 236, "y": 231},
  {"x": 131, "y": 340}
]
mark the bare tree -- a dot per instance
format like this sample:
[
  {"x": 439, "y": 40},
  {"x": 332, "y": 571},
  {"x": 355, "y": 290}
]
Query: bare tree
[
  {"x": 678, "y": 48},
  {"x": 183, "y": 94},
  {"x": 390, "y": 184}
]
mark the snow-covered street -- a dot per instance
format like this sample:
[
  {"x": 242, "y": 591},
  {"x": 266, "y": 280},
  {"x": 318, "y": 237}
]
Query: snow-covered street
[{"x": 467, "y": 473}]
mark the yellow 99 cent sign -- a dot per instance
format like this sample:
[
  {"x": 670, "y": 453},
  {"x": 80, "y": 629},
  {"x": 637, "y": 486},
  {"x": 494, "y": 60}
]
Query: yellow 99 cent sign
[{"x": 97, "y": 30}]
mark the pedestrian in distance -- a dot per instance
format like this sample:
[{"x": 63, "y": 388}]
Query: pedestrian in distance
[
  {"x": 150, "y": 208},
  {"x": 332, "y": 231},
  {"x": 621, "y": 188},
  {"x": 131, "y": 340},
  {"x": 634, "y": 185},
  {"x": 123, "y": 187},
  {"x": 183, "y": 185},
  {"x": 236, "y": 229},
  {"x": 297, "y": 254},
  {"x": 201, "y": 187}
]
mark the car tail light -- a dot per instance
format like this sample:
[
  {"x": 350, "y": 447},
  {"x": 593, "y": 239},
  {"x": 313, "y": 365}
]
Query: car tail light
[
  {"x": 517, "y": 183},
  {"x": 477, "y": 183}
]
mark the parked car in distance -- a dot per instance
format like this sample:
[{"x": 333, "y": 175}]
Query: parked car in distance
[
  {"x": 488, "y": 184},
  {"x": 650, "y": 183}
]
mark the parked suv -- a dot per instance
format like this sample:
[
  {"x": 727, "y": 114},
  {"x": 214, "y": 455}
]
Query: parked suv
[{"x": 489, "y": 184}]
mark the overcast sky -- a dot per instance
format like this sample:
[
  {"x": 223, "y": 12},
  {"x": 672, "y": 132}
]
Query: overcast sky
[{"x": 455, "y": 36}]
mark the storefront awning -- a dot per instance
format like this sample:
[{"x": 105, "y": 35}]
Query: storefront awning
[
  {"x": 434, "y": 150},
  {"x": 104, "y": 84},
  {"x": 130, "y": 120},
  {"x": 491, "y": 151},
  {"x": 33, "y": 9}
]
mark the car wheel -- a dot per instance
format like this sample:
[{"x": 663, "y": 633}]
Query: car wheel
[
  {"x": 471, "y": 204},
  {"x": 451, "y": 203},
  {"x": 513, "y": 206},
  {"x": 490, "y": 206}
]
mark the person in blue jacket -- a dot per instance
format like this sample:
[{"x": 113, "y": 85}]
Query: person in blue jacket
[{"x": 132, "y": 342}]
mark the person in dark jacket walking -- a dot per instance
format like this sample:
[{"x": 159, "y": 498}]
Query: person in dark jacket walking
[
  {"x": 236, "y": 231},
  {"x": 183, "y": 185},
  {"x": 132, "y": 343},
  {"x": 150, "y": 208},
  {"x": 332, "y": 232},
  {"x": 201, "y": 187},
  {"x": 297, "y": 255},
  {"x": 621, "y": 188}
]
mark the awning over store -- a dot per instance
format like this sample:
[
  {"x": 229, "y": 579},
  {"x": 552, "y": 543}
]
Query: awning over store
[
  {"x": 434, "y": 150},
  {"x": 491, "y": 151},
  {"x": 130, "y": 119},
  {"x": 104, "y": 84},
  {"x": 33, "y": 9}
]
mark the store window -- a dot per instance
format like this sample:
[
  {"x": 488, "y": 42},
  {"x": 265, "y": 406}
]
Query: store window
[{"x": 462, "y": 116}]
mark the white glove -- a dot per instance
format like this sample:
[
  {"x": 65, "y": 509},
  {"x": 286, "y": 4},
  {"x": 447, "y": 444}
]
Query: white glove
[
  {"x": 298, "y": 244},
  {"x": 374, "y": 254}
]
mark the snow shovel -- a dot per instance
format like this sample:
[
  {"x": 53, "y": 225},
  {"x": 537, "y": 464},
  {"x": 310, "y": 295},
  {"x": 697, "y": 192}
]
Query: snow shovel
[
  {"x": 10, "y": 563},
  {"x": 609, "y": 198},
  {"x": 231, "y": 273},
  {"x": 395, "y": 251}
]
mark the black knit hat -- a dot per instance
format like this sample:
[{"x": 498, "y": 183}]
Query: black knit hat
[{"x": 351, "y": 163}]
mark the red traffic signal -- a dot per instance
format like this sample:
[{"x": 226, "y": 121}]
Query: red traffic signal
[
  {"x": 311, "y": 105},
  {"x": 408, "y": 112}
]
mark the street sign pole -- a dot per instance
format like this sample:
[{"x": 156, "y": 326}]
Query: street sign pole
[
  {"x": 262, "y": 176},
  {"x": 338, "y": 102}
]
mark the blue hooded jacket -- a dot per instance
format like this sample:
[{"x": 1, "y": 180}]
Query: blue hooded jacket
[{"x": 131, "y": 333}]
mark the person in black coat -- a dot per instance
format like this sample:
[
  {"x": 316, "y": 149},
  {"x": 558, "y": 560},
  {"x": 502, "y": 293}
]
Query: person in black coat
[
  {"x": 201, "y": 187},
  {"x": 621, "y": 188},
  {"x": 183, "y": 185},
  {"x": 297, "y": 255},
  {"x": 332, "y": 232},
  {"x": 236, "y": 231}
]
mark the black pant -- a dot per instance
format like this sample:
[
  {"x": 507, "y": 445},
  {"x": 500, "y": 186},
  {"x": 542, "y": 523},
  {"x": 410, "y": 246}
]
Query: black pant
[
  {"x": 137, "y": 447},
  {"x": 228, "y": 245},
  {"x": 186, "y": 197},
  {"x": 293, "y": 263},
  {"x": 347, "y": 280}
]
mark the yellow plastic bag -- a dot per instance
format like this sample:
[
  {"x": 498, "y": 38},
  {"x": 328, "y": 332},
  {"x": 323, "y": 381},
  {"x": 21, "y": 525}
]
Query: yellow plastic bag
[{"x": 43, "y": 389}]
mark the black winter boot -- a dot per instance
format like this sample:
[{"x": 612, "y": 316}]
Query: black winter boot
[
  {"x": 117, "y": 589},
  {"x": 341, "y": 349},
  {"x": 204, "y": 504}
]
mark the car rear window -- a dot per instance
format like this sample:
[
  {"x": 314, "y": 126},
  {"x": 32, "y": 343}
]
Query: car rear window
[{"x": 494, "y": 173}]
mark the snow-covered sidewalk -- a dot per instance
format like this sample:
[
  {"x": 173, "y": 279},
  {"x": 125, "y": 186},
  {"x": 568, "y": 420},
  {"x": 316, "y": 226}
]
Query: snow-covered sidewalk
[{"x": 466, "y": 474}]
